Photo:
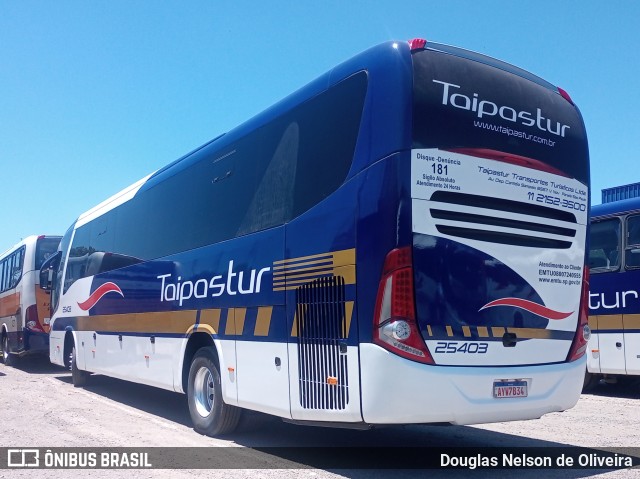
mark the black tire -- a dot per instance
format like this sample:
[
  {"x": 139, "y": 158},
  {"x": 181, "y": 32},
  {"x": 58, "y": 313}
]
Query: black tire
[
  {"x": 590, "y": 381},
  {"x": 209, "y": 413},
  {"x": 7, "y": 358},
  {"x": 78, "y": 376}
]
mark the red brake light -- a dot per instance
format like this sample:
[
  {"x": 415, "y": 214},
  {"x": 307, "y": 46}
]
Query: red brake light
[
  {"x": 31, "y": 319},
  {"x": 580, "y": 340},
  {"x": 565, "y": 95},
  {"x": 395, "y": 327},
  {"x": 417, "y": 44}
]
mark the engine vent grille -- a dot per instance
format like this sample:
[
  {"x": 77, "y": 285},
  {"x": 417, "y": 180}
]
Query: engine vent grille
[{"x": 322, "y": 346}]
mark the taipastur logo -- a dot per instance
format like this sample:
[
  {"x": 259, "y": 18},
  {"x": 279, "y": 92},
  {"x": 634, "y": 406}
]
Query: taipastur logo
[{"x": 486, "y": 108}]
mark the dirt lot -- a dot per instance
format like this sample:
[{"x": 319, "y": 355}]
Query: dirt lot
[{"x": 41, "y": 408}]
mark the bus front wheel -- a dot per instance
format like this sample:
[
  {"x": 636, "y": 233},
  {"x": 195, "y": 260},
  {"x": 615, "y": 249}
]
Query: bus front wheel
[
  {"x": 78, "y": 376},
  {"x": 209, "y": 413}
]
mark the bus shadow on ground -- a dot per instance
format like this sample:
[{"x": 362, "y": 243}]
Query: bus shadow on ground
[
  {"x": 394, "y": 451},
  {"x": 627, "y": 387},
  {"x": 38, "y": 364},
  {"x": 405, "y": 451},
  {"x": 151, "y": 400}
]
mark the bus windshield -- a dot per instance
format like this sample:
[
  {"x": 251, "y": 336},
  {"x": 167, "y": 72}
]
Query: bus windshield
[{"x": 45, "y": 247}]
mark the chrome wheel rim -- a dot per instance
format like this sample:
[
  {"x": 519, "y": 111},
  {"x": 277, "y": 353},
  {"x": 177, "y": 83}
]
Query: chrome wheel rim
[{"x": 203, "y": 392}]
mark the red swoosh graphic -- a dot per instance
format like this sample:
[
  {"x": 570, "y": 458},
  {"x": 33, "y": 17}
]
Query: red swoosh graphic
[
  {"x": 98, "y": 294},
  {"x": 530, "y": 306}
]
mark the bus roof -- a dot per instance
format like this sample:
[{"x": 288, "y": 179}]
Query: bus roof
[
  {"x": 390, "y": 70},
  {"x": 31, "y": 239},
  {"x": 390, "y": 63},
  {"x": 616, "y": 207}
]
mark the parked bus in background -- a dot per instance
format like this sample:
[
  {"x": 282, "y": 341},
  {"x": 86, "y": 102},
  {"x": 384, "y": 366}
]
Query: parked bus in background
[
  {"x": 24, "y": 307},
  {"x": 400, "y": 241},
  {"x": 614, "y": 296}
]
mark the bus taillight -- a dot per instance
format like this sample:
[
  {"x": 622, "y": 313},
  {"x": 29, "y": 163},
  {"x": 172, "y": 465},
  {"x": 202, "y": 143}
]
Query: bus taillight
[
  {"x": 31, "y": 319},
  {"x": 565, "y": 95},
  {"x": 583, "y": 333},
  {"x": 417, "y": 43},
  {"x": 395, "y": 327}
]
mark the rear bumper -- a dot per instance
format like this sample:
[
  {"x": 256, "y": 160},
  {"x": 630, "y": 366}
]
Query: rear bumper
[
  {"x": 398, "y": 391},
  {"x": 35, "y": 343},
  {"x": 27, "y": 342}
]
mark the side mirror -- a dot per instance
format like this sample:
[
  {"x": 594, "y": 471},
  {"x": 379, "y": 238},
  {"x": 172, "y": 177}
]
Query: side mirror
[{"x": 48, "y": 269}]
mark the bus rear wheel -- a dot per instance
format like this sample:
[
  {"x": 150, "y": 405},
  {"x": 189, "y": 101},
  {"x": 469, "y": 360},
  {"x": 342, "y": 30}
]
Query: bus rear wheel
[
  {"x": 209, "y": 413},
  {"x": 590, "y": 381},
  {"x": 7, "y": 358}
]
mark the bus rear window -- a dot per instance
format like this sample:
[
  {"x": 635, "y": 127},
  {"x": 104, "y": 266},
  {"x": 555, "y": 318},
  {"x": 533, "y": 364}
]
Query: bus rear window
[{"x": 461, "y": 103}]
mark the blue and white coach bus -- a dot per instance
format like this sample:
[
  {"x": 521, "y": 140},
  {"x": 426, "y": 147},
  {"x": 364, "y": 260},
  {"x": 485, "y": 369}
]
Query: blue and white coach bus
[
  {"x": 614, "y": 297},
  {"x": 400, "y": 241}
]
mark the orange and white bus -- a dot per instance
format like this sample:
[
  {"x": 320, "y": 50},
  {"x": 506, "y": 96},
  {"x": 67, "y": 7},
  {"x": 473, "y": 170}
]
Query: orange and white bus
[{"x": 24, "y": 307}]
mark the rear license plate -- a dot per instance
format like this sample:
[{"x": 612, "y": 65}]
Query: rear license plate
[{"x": 510, "y": 389}]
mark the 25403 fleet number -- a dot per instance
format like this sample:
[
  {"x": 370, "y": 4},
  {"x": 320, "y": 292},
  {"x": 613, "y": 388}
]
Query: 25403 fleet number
[{"x": 454, "y": 347}]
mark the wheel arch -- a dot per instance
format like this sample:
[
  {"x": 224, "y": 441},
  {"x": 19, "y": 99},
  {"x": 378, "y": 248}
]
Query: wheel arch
[
  {"x": 69, "y": 341},
  {"x": 196, "y": 341}
]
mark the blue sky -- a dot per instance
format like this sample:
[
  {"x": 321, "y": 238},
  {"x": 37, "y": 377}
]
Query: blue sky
[{"x": 94, "y": 95}]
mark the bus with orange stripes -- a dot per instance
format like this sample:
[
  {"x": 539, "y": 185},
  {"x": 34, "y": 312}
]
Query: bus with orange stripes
[
  {"x": 401, "y": 241},
  {"x": 24, "y": 307}
]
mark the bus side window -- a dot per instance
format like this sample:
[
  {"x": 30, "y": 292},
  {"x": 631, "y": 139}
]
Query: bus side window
[
  {"x": 632, "y": 246},
  {"x": 2, "y": 268},
  {"x": 604, "y": 245}
]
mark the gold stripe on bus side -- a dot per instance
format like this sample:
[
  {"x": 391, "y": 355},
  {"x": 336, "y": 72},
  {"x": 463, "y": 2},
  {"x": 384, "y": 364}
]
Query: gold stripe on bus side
[
  {"x": 344, "y": 257},
  {"x": 610, "y": 321},
  {"x": 282, "y": 286},
  {"x": 289, "y": 273},
  {"x": 531, "y": 333},
  {"x": 483, "y": 331},
  {"x": 497, "y": 332},
  {"x": 348, "y": 273},
  {"x": 294, "y": 327},
  {"x": 235, "y": 321},
  {"x": 263, "y": 321},
  {"x": 164, "y": 322},
  {"x": 210, "y": 318},
  {"x": 631, "y": 321},
  {"x": 466, "y": 331},
  {"x": 449, "y": 330},
  {"x": 346, "y": 321},
  {"x": 301, "y": 258},
  {"x": 326, "y": 260}
]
